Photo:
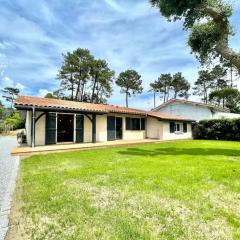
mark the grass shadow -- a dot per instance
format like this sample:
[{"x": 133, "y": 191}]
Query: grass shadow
[{"x": 180, "y": 151}]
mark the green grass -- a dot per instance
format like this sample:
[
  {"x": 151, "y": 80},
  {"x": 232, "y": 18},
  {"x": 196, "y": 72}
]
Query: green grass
[{"x": 173, "y": 190}]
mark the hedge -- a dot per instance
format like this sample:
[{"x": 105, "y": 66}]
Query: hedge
[{"x": 217, "y": 129}]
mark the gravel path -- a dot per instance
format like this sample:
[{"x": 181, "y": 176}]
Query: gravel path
[{"x": 8, "y": 174}]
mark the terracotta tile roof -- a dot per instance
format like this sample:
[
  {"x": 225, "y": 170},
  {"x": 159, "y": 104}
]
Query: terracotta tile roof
[
  {"x": 29, "y": 101},
  {"x": 211, "y": 106},
  {"x": 38, "y": 102},
  {"x": 167, "y": 116}
]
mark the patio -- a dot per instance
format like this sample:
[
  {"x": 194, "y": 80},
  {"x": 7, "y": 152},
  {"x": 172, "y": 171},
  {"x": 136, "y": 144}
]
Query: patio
[{"x": 27, "y": 151}]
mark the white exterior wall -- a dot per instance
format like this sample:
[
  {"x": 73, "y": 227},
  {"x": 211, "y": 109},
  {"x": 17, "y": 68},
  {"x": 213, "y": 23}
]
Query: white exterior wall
[
  {"x": 101, "y": 128},
  {"x": 40, "y": 130},
  {"x": 166, "y": 135},
  {"x": 225, "y": 115},
  {"x": 195, "y": 112},
  {"x": 28, "y": 127},
  {"x": 87, "y": 132},
  {"x": 188, "y": 111},
  {"x": 133, "y": 134},
  {"x": 130, "y": 134},
  {"x": 154, "y": 128},
  {"x": 161, "y": 130}
]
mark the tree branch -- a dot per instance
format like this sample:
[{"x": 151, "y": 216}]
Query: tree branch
[{"x": 222, "y": 45}]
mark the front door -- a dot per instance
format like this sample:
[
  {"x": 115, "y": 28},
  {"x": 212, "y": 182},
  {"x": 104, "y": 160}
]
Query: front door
[
  {"x": 118, "y": 128},
  {"x": 65, "y": 127}
]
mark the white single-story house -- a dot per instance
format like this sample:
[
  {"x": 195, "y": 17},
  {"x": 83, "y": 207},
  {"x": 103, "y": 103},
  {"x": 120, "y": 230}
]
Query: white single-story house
[
  {"x": 54, "y": 121},
  {"x": 194, "y": 110}
]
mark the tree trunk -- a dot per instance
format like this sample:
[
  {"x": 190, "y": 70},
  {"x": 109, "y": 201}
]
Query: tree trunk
[
  {"x": 78, "y": 89},
  {"x": 93, "y": 90},
  {"x": 167, "y": 94},
  {"x": 127, "y": 99},
  {"x": 71, "y": 77},
  {"x": 222, "y": 46}
]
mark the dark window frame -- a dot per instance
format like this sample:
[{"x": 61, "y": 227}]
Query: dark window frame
[
  {"x": 172, "y": 127},
  {"x": 178, "y": 127},
  {"x": 135, "y": 124},
  {"x": 185, "y": 127}
]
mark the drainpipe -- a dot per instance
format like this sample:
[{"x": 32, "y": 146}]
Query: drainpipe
[{"x": 33, "y": 127}]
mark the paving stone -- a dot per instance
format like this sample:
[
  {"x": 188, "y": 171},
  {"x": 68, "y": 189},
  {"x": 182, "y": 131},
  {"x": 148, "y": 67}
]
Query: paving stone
[{"x": 8, "y": 174}]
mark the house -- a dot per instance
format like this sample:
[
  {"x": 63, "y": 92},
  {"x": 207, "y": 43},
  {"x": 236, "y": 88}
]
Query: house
[
  {"x": 54, "y": 121},
  {"x": 194, "y": 110}
]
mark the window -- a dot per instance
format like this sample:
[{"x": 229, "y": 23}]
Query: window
[
  {"x": 142, "y": 123},
  {"x": 178, "y": 127},
  {"x": 135, "y": 123},
  {"x": 184, "y": 127},
  {"x": 128, "y": 123},
  {"x": 172, "y": 127}
]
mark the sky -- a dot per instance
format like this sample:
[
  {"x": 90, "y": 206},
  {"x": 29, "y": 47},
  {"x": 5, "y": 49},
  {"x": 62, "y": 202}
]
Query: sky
[{"x": 128, "y": 34}]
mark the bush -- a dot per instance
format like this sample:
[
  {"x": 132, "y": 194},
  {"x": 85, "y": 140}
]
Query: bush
[
  {"x": 217, "y": 129},
  {"x": 14, "y": 121}
]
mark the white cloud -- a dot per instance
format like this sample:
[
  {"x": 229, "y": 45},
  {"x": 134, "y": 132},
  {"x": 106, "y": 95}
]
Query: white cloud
[
  {"x": 21, "y": 87},
  {"x": 42, "y": 92},
  {"x": 114, "y": 5},
  {"x": 6, "y": 81}
]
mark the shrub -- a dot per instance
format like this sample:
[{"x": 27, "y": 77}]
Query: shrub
[
  {"x": 217, "y": 129},
  {"x": 14, "y": 121}
]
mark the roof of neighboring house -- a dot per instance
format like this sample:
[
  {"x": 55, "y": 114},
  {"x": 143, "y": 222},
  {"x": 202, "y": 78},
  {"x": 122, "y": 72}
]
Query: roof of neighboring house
[
  {"x": 27, "y": 102},
  {"x": 212, "y": 107},
  {"x": 167, "y": 116}
]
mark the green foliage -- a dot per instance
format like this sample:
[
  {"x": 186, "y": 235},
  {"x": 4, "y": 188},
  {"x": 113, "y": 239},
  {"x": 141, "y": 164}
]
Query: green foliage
[
  {"x": 219, "y": 129},
  {"x": 10, "y": 94},
  {"x": 50, "y": 95},
  {"x": 162, "y": 85},
  {"x": 84, "y": 77},
  {"x": 202, "y": 40},
  {"x": 180, "y": 86},
  {"x": 204, "y": 83},
  {"x": 179, "y": 9},
  {"x": 226, "y": 97},
  {"x": 2, "y": 111},
  {"x": 101, "y": 82},
  {"x": 167, "y": 84},
  {"x": 130, "y": 83},
  {"x": 209, "y": 24},
  {"x": 14, "y": 120}
]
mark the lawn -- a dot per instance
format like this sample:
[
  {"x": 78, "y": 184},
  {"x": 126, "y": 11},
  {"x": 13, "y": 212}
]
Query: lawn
[{"x": 172, "y": 190}]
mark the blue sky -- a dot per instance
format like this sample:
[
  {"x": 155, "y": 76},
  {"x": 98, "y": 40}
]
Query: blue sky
[{"x": 129, "y": 34}]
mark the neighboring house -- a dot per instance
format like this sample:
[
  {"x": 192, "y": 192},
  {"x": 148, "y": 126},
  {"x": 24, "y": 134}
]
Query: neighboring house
[
  {"x": 194, "y": 110},
  {"x": 53, "y": 121}
]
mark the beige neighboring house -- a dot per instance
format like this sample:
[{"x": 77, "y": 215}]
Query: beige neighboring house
[
  {"x": 194, "y": 110},
  {"x": 54, "y": 121}
]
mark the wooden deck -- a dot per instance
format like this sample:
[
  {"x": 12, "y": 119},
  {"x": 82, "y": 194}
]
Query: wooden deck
[{"x": 27, "y": 151}]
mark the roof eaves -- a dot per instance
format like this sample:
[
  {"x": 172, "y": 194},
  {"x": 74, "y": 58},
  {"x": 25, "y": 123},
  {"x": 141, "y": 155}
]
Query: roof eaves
[{"x": 44, "y": 107}]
